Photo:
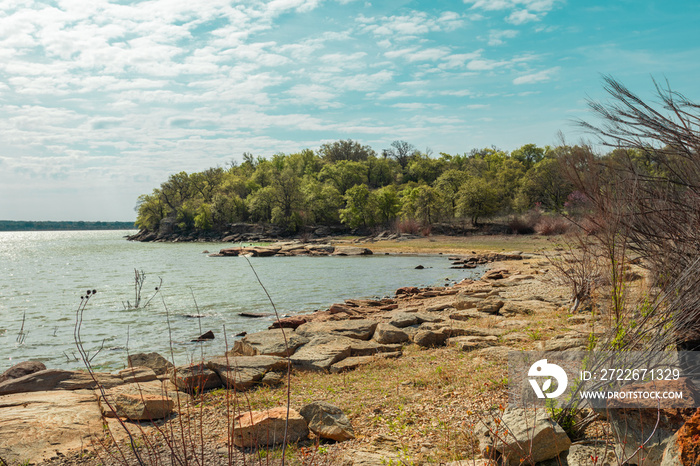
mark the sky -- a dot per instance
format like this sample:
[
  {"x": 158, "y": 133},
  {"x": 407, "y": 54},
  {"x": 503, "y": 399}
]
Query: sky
[{"x": 102, "y": 100}]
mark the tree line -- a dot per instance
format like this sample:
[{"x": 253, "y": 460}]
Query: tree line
[{"x": 345, "y": 182}]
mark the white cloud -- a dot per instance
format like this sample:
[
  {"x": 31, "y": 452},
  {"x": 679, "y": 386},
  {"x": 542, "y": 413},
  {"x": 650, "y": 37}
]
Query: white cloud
[
  {"x": 496, "y": 37},
  {"x": 521, "y": 17},
  {"x": 540, "y": 76}
]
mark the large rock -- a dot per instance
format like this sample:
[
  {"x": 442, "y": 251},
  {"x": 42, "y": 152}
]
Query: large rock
[
  {"x": 34, "y": 426},
  {"x": 155, "y": 361},
  {"x": 321, "y": 353},
  {"x": 22, "y": 369},
  {"x": 351, "y": 251},
  {"x": 243, "y": 372},
  {"x": 387, "y": 333},
  {"x": 522, "y": 434},
  {"x": 57, "y": 379},
  {"x": 430, "y": 338},
  {"x": 639, "y": 421},
  {"x": 138, "y": 401},
  {"x": 270, "y": 343},
  {"x": 327, "y": 421},
  {"x": 361, "y": 329},
  {"x": 194, "y": 378},
  {"x": 257, "y": 428}
]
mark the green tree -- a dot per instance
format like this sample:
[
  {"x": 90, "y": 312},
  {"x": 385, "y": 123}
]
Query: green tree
[
  {"x": 422, "y": 203},
  {"x": 322, "y": 201},
  {"x": 401, "y": 151},
  {"x": 348, "y": 150},
  {"x": 343, "y": 175},
  {"x": 528, "y": 155},
  {"x": 151, "y": 209},
  {"x": 387, "y": 202},
  {"x": 360, "y": 207},
  {"x": 477, "y": 199},
  {"x": 448, "y": 185}
]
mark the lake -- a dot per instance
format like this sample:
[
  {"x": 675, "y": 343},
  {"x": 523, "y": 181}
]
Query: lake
[{"x": 44, "y": 274}]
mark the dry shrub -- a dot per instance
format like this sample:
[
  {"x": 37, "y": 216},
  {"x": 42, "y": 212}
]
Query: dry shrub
[
  {"x": 524, "y": 224},
  {"x": 548, "y": 226},
  {"x": 409, "y": 226},
  {"x": 426, "y": 230}
]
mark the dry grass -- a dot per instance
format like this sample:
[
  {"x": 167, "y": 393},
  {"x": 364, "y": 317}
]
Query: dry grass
[
  {"x": 421, "y": 406},
  {"x": 465, "y": 244}
]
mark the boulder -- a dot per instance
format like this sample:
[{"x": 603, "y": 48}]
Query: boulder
[
  {"x": 141, "y": 400},
  {"x": 22, "y": 369},
  {"x": 522, "y": 434},
  {"x": 206, "y": 336},
  {"x": 638, "y": 421},
  {"x": 35, "y": 426},
  {"x": 155, "y": 361},
  {"x": 688, "y": 440},
  {"x": 350, "y": 251},
  {"x": 327, "y": 421},
  {"x": 194, "y": 378},
  {"x": 387, "y": 333},
  {"x": 57, "y": 379},
  {"x": 243, "y": 372},
  {"x": 138, "y": 401},
  {"x": 288, "y": 322},
  {"x": 407, "y": 290},
  {"x": 490, "y": 305},
  {"x": 429, "y": 338},
  {"x": 270, "y": 343},
  {"x": 257, "y": 428},
  {"x": 321, "y": 353},
  {"x": 361, "y": 329},
  {"x": 137, "y": 374}
]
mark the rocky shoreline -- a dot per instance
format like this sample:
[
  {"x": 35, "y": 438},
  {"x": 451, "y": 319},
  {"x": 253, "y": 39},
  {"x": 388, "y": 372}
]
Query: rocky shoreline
[{"x": 482, "y": 318}]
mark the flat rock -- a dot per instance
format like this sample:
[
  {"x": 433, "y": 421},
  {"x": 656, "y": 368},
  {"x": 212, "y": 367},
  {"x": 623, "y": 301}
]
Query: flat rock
[
  {"x": 243, "y": 372},
  {"x": 34, "y": 426},
  {"x": 155, "y": 361},
  {"x": 514, "y": 308},
  {"x": 327, "y": 421},
  {"x": 467, "y": 343},
  {"x": 257, "y": 428},
  {"x": 270, "y": 343},
  {"x": 137, "y": 374},
  {"x": 57, "y": 379},
  {"x": 568, "y": 341},
  {"x": 350, "y": 251},
  {"x": 322, "y": 352},
  {"x": 361, "y": 329},
  {"x": 403, "y": 319},
  {"x": 353, "y": 362}
]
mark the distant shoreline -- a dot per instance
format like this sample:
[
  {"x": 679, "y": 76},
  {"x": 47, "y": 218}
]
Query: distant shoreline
[{"x": 26, "y": 225}]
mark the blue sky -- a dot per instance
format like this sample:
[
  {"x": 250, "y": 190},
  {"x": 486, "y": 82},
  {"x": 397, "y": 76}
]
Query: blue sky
[{"x": 100, "y": 101}]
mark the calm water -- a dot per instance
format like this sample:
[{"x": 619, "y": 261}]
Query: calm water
[{"x": 43, "y": 275}]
